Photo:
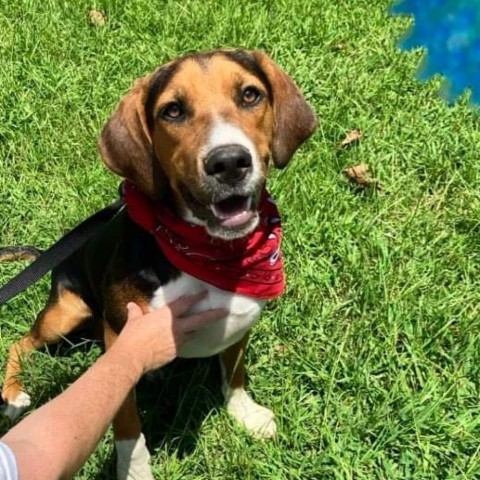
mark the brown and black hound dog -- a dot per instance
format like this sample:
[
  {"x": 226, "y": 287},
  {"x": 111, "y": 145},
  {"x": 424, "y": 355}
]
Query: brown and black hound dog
[{"x": 197, "y": 136}]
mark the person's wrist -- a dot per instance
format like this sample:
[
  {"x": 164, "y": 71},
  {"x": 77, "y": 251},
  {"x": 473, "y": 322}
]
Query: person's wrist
[{"x": 131, "y": 363}]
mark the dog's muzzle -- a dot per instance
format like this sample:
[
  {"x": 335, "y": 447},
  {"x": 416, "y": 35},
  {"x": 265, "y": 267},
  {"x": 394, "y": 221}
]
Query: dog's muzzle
[{"x": 229, "y": 168}]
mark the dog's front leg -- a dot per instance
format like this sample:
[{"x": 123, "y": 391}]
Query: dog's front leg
[
  {"x": 258, "y": 420},
  {"x": 133, "y": 458}
]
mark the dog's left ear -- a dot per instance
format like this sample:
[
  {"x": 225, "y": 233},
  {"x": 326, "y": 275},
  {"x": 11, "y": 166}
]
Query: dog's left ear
[{"x": 295, "y": 120}]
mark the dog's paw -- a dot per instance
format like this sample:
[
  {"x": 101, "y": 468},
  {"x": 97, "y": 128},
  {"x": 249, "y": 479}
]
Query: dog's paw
[
  {"x": 14, "y": 408},
  {"x": 133, "y": 460},
  {"x": 257, "y": 420},
  {"x": 260, "y": 422}
]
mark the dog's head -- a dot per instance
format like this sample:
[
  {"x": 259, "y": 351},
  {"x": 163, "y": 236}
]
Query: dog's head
[{"x": 203, "y": 130}]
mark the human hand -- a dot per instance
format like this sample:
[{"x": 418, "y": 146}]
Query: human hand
[{"x": 153, "y": 339}]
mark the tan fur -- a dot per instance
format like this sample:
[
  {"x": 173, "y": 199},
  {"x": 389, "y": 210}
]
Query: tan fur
[
  {"x": 119, "y": 295},
  {"x": 56, "y": 320}
]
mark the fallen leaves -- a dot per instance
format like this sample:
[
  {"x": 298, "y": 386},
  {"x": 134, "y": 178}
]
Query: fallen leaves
[
  {"x": 340, "y": 47},
  {"x": 281, "y": 349},
  {"x": 351, "y": 138},
  {"x": 97, "y": 18},
  {"x": 15, "y": 254},
  {"x": 360, "y": 175}
]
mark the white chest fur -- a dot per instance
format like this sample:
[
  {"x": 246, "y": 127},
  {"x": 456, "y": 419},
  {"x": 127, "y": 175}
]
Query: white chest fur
[{"x": 214, "y": 338}]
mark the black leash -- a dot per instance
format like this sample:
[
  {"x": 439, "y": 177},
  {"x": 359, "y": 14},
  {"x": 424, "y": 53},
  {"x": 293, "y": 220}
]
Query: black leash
[{"x": 58, "y": 252}]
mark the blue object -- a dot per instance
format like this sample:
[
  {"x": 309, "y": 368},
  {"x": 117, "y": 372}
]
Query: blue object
[{"x": 450, "y": 31}]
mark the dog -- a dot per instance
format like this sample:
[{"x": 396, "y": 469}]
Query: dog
[{"x": 194, "y": 141}]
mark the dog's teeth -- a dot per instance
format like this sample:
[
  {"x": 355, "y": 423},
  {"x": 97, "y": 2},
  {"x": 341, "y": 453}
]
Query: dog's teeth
[{"x": 216, "y": 212}]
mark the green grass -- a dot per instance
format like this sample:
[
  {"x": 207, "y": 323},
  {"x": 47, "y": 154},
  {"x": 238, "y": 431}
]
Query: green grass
[{"x": 371, "y": 359}]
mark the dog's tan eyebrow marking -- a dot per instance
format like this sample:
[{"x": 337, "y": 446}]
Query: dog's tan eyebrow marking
[{"x": 159, "y": 83}]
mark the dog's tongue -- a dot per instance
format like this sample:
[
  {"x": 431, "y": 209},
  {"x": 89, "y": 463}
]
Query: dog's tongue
[{"x": 233, "y": 211}]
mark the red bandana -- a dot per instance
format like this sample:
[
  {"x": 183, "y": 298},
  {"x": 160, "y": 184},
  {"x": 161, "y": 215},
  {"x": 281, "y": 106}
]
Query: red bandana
[{"x": 251, "y": 266}]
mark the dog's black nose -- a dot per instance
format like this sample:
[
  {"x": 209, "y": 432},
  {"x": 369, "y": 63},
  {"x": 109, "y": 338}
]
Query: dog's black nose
[{"x": 228, "y": 163}]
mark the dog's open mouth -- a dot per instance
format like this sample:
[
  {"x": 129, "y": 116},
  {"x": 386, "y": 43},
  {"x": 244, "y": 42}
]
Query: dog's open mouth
[{"x": 233, "y": 211}]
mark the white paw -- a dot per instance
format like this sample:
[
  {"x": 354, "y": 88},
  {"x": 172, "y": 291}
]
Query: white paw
[
  {"x": 259, "y": 421},
  {"x": 15, "y": 408},
  {"x": 133, "y": 459}
]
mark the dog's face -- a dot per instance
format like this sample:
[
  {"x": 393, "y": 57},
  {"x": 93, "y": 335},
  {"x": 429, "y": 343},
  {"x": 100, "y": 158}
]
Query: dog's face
[{"x": 205, "y": 128}]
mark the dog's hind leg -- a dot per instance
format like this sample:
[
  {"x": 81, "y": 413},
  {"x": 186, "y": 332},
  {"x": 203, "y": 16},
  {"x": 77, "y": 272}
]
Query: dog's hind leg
[
  {"x": 64, "y": 312},
  {"x": 259, "y": 421}
]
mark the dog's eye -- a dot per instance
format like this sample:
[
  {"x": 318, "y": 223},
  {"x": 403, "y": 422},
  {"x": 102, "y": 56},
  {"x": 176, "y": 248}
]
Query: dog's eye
[
  {"x": 251, "y": 96},
  {"x": 173, "y": 111}
]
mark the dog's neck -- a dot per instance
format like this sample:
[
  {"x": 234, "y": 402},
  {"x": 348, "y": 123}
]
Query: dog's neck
[{"x": 251, "y": 265}]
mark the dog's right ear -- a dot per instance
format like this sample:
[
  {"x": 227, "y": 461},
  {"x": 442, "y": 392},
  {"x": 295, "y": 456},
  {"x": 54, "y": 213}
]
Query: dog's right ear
[{"x": 126, "y": 146}]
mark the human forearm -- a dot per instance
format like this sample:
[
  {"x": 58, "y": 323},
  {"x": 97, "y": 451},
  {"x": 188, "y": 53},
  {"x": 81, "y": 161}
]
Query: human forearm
[
  {"x": 55, "y": 440},
  {"x": 58, "y": 433}
]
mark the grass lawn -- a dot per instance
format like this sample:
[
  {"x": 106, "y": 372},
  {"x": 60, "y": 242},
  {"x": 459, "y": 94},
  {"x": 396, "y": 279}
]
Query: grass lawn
[{"x": 371, "y": 359}]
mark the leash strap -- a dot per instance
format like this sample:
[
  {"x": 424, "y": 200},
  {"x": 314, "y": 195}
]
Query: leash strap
[{"x": 58, "y": 252}]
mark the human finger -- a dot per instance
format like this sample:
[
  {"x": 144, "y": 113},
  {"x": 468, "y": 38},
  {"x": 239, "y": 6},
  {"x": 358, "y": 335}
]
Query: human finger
[
  {"x": 183, "y": 304},
  {"x": 133, "y": 310},
  {"x": 194, "y": 322}
]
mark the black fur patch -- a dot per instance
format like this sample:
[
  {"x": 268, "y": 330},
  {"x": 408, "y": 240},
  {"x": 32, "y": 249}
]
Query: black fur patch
[{"x": 249, "y": 63}]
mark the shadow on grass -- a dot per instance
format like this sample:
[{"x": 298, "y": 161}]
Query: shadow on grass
[{"x": 172, "y": 401}]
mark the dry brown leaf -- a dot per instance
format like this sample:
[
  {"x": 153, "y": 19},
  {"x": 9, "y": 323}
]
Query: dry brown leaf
[
  {"x": 97, "y": 18},
  {"x": 281, "y": 349},
  {"x": 352, "y": 137},
  {"x": 360, "y": 175},
  {"x": 15, "y": 254}
]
